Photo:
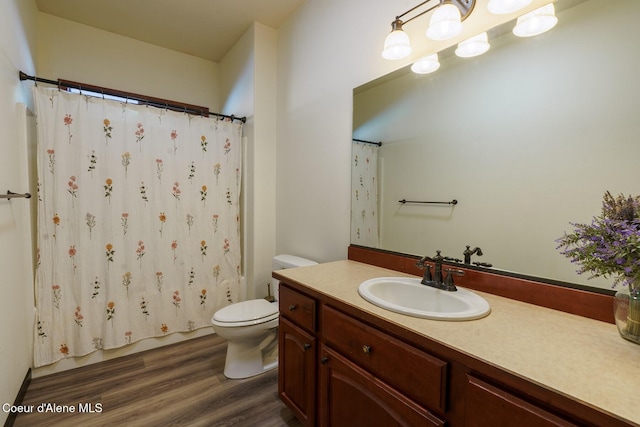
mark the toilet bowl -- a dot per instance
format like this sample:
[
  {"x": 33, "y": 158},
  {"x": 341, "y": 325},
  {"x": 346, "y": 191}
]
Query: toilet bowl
[{"x": 251, "y": 329}]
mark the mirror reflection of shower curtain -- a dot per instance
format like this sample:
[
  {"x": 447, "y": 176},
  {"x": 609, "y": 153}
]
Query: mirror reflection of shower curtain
[
  {"x": 364, "y": 187},
  {"x": 138, "y": 222}
]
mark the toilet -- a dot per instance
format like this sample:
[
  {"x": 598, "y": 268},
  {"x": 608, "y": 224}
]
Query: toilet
[{"x": 251, "y": 328}]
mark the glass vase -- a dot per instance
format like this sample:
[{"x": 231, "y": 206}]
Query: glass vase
[{"x": 626, "y": 309}]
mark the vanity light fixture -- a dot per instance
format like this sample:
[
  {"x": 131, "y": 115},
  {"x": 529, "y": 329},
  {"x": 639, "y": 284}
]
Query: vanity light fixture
[
  {"x": 474, "y": 46},
  {"x": 528, "y": 25},
  {"x": 504, "y": 7},
  {"x": 426, "y": 65},
  {"x": 536, "y": 22},
  {"x": 397, "y": 44},
  {"x": 445, "y": 23}
]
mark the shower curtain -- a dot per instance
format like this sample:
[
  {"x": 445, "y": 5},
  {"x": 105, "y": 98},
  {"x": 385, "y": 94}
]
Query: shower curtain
[
  {"x": 364, "y": 196},
  {"x": 138, "y": 222}
]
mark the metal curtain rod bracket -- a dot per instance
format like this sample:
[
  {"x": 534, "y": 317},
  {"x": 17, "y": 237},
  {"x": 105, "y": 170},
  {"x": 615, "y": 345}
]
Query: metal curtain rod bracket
[
  {"x": 379, "y": 143},
  {"x": 146, "y": 100},
  {"x": 404, "y": 201},
  {"x": 10, "y": 195}
]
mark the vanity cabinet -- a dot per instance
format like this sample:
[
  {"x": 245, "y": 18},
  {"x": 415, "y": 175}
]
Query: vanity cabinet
[
  {"x": 359, "y": 376},
  {"x": 342, "y": 366}
]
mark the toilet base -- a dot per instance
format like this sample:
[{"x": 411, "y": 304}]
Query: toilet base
[{"x": 246, "y": 359}]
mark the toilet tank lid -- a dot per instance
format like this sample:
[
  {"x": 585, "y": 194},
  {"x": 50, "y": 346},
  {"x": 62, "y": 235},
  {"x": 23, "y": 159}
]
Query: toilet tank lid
[
  {"x": 245, "y": 311},
  {"x": 291, "y": 261}
]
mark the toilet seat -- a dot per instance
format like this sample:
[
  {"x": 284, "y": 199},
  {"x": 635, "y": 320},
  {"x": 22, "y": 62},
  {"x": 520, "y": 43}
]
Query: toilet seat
[{"x": 246, "y": 313}]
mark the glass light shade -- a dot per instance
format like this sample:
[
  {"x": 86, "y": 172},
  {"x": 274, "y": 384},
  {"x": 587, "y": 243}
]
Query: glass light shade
[
  {"x": 476, "y": 45},
  {"x": 503, "y": 7},
  {"x": 396, "y": 45},
  {"x": 536, "y": 22},
  {"x": 445, "y": 23},
  {"x": 426, "y": 65}
]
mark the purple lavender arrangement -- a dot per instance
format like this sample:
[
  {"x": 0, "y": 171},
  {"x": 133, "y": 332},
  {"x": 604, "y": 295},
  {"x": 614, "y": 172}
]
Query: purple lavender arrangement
[{"x": 610, "y": 247}]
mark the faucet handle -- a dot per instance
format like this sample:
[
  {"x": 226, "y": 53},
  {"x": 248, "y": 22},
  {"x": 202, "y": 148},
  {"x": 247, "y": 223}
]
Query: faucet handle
[
  {"x": 448, "y": 280},
  {"x": 454, "y": 271},
  {"x": 483, "y": 264},
  {"x": 427, "y": 274},
  {"x": 426, "y": 278}
]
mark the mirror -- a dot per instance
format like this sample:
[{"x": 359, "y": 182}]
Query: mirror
[{"x": 527, "y": 138}]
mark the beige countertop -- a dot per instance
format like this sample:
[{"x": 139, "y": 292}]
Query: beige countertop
[{"x": 576, "y": 356}]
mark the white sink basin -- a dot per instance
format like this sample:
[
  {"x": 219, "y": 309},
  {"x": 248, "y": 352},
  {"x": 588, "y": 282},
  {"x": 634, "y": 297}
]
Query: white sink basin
[{"x": 408, "y": 296}]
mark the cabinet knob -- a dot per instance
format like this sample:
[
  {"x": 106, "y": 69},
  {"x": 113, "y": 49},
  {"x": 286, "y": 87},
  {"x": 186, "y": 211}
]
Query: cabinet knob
[
  {"x": 306, "y": 346},
  {"x": 324, "y": 359},
  {"x": 366, "y": 349},
  {"x": 292, "y": 307}
]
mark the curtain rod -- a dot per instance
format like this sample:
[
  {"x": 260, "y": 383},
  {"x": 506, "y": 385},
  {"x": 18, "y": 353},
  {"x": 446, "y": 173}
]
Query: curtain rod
[
  {"x": 379, "y": 144},
  {"x": 147, "y": 100}
]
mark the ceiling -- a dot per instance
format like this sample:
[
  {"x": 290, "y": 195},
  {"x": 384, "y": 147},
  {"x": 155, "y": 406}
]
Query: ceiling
[{"x": 203, "y": 28}]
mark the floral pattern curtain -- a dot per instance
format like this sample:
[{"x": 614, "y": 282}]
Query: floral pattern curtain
[
  {"x": 364, "y": 197},
  {"x": 138, "y": 222}
]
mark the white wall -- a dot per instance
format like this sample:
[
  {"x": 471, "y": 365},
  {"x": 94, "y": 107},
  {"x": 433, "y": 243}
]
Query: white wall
[
  {"x": 17, "y": 46},
  {"x": 248, "y": 84},
  {"x": 76, "y": 52},
  {"x": 327, "y": 49},
  {"x": 263, "y": 182}
]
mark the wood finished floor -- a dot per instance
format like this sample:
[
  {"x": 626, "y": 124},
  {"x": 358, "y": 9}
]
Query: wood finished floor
[{"x": 177, "y": 385}]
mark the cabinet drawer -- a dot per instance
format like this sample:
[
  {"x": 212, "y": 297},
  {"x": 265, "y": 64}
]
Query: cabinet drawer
[
  {"x": 418, "y": 375},
  {"x": 298, "y": 308}
]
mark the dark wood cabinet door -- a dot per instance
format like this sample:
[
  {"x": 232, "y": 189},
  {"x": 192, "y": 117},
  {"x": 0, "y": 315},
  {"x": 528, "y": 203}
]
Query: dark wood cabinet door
[
  {"x": 350, "y": 396},
  {"x": 487, "y": 405},
  {"x": 297, "y": 370}
]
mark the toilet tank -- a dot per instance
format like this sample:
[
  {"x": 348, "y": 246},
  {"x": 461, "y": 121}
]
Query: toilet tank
[{"x": 280, "y": 262}]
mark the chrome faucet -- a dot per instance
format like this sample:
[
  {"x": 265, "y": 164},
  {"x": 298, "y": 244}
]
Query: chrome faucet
[{"x": 436, "y": 280}]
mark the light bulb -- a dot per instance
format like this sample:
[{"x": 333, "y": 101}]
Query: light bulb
[
  {"x": 445, "y": 23},
  {"x": 425, "y": 65},
  {"x": 476, "y": 45},
  {"x": 397, "y": 44},
  {"x": 536, "y": 22}
]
